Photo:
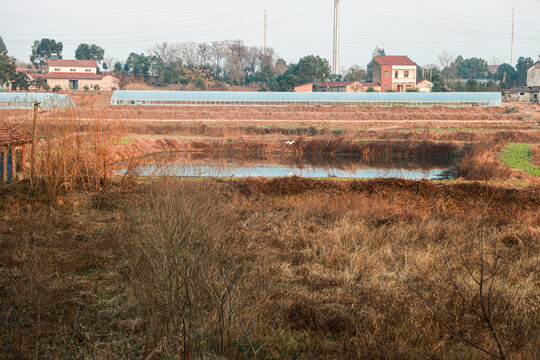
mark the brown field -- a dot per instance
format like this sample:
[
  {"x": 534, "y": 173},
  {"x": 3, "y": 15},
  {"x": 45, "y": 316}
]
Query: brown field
[{"x": 98, "y": 266}]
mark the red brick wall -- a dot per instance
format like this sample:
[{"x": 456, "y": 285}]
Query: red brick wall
[{"x": 384, "y": 80}]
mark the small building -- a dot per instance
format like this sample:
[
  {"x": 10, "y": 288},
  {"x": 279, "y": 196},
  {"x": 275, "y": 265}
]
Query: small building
[
  {"x": 529, "y": 93},
  {"x": 304, "y": 88},
  {"x": 76, "y": 75},
  {"x": 12, "y": 153},
  {"x": 394, "y": 73},
  {"x": 424, "y": 86},
  {"x": 523, "y": 93},
  {"x": 346, "y": 87},
  {"x": 337, "y": 86},
  {"x": 492, "y": 69},
  {"x": 533, "y": 75},
  {"x": 370, "y": 87}
]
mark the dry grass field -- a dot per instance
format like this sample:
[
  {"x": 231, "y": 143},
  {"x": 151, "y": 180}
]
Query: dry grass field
[{"x": 94, "y": 265}]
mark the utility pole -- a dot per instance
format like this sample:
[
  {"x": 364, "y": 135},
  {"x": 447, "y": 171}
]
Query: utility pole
[
  {"x": 513, "y": 27},
  {"x": 265, "y": 32},
  {"x": 335, "y": 63}
]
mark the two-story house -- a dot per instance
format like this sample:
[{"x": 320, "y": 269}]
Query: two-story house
[{"x": 393, "y": 73}]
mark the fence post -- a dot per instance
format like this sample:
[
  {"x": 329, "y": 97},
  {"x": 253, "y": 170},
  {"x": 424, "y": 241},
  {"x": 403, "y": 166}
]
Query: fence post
[
  {"x": 13, "y": 164},
  {"x": 34, "y": 136},
  {"x": 4, "y": 165}
]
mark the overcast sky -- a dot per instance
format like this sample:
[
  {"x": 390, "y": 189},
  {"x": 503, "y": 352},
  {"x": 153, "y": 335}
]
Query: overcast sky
[{"x": 421, "y": 29}]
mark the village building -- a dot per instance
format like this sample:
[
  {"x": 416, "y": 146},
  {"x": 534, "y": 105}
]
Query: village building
[
  {"x": 424, "y": 86},
  {"x": 304, "y": 88},
  {"x": 76, "y": 75},
  {"x": 531, "y": 92},
  {"x": 12, "y": 153},
  {"x": 337, "y": 86},
  {"x": 523, "y": 93},
  {"x": 393, "y": 73},
  {"x": 533, "y": 75},
  {"x": 492, "y": 69},
  {"x": 346, "y": 86}
]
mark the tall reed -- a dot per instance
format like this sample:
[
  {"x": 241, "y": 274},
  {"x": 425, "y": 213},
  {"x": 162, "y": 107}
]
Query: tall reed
[{"x": 76, "y": 149}]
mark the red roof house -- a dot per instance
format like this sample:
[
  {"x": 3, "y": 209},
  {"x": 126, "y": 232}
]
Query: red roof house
[{"x": 394, "y": 73}]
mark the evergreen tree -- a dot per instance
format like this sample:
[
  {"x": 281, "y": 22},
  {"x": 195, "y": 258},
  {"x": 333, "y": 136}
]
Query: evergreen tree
[{"x": 3, "y": 47}]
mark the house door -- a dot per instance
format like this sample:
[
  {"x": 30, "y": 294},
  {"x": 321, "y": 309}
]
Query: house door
[
  {"x": 74, "y": 84},
  {"x": 400, "y": 88}
]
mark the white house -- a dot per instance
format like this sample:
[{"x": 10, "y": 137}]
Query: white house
[
  {"x": 76, "y": 75},
  {"x": 533, "y": 75}
]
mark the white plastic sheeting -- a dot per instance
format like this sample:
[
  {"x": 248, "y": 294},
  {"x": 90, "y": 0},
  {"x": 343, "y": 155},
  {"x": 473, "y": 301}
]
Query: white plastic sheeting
[{"x": 239, "y": 98}]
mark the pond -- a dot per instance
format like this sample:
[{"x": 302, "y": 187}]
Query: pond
[{"x": 205, "y": 164}]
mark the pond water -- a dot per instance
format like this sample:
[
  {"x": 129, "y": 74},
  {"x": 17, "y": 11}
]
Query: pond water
[{"x": 192, "y": 164}]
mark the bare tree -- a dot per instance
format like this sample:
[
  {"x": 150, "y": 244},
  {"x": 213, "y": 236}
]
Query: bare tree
[
  {"x": 108, "y": 62},
  {"x": 189, "y": 52},
  {"x": 268, "y": 58},
  {"x": 445, "y": 59},
  {"x": 236, "y": 60},
  {"x": 252, "y": 60},
  {"x": 168, "y": 53},
  {"x": 204, "y": 54},
  {"x": 218, "y": 52}
]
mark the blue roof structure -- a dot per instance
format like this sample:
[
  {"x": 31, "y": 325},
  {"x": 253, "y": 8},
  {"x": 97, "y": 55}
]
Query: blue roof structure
[
  {"x": 187, "y": 98},
  {"x": 14, "y": 100}
]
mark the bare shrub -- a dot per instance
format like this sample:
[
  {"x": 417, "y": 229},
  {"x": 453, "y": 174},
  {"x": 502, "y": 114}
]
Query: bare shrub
[
  {"x": 186, "y": 280},
  {"x": 471, "y": 302},
  {"x": 76, "y": 150},
  {"x": 480, "y": 163}
]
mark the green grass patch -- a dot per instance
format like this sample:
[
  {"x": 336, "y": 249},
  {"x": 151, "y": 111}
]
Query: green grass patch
[{"x": 519, "y": 156}]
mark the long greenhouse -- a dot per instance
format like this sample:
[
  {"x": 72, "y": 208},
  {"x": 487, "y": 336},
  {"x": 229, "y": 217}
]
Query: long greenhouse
[
  {"x": 13, "y": 100},
  {"x": 238, "y": 98}
]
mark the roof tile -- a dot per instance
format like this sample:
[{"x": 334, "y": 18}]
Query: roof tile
[
  {"x": 11, "y": 136},
  {"x": 72, "y": 63},
  {"x": 394, "y": 60}
]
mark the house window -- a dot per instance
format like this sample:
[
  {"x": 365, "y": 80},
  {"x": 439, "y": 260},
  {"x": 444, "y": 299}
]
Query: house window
[
  {"x": 72, "y": 70},
  {"x": 88, "y": 70},
  {"x": 57, "y": 69},
  {"x": 406, "y": 74},
  {"x": 386, "y": 74},
  {"x": 385, "y": 87},
  {"x": 396, "y": 74}
]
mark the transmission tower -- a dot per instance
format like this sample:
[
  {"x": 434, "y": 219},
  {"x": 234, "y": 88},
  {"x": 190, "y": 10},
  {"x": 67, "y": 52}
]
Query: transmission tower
[
  {"x": 513, "y": 27},
  {"x": 335, "y": 62}
]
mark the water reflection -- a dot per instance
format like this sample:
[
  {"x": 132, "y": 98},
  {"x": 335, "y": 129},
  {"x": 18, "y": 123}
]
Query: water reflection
[{"x": 205, "y": 164}]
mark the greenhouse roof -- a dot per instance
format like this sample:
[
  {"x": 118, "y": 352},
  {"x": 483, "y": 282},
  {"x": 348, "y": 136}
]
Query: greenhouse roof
[
  {"x": 14, "y": 100},
  {"x": 147, "y": 97}
]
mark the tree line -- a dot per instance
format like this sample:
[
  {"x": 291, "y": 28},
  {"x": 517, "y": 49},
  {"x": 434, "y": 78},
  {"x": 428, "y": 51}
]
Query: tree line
[{"x": 232, "y": 62}]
